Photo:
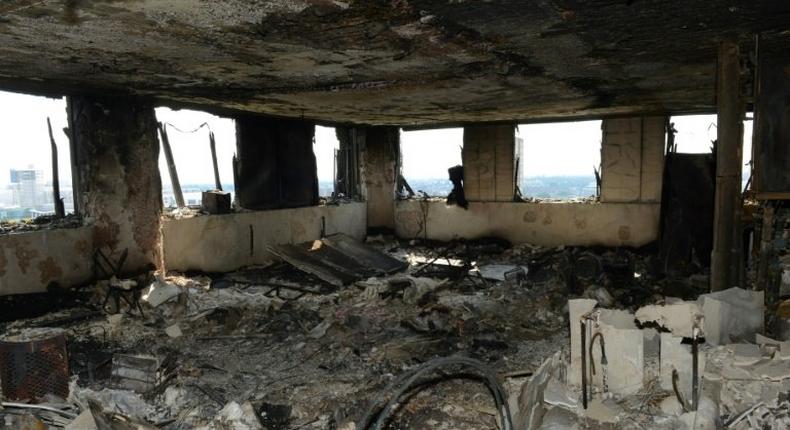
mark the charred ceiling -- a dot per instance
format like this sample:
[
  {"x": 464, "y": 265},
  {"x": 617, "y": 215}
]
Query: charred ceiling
[{"x": 394, "y": 62}]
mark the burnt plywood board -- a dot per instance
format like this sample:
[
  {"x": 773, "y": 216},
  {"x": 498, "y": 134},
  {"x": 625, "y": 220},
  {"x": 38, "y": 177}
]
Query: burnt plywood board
[
  {"x": 301, "y": 259},
  {"x": 366, "y": 255},
  {"x": 772, "y": 127}
]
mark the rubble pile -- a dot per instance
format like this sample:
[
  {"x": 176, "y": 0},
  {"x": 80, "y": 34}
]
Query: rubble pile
[
  {"x": 277, "y": 347},
  {"x": 43, "y": 222}
]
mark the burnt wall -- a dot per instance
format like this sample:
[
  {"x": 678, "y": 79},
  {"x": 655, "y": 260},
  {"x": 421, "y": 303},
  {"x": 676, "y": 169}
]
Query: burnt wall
[
  {"x": 772, "y": 127},
  {"x": 116, "y": 154}
]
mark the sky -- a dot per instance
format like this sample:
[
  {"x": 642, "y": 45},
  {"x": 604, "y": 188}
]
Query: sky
[{"x": 568, "y": 148}]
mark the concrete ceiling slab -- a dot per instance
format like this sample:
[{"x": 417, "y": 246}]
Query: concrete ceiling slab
[{"x": 396, "y": 62}]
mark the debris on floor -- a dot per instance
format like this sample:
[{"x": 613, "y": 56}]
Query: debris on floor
[{"x": 462, "y": 335}]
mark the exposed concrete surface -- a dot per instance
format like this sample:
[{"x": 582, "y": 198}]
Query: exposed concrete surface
[
  {"x": 632, "y": 159},
  {"x": 489, "y": 163},
  {"x": 221, "y": 243},
  {"x": 384, "y": 62},
  {"x": 120, "y": 191},
  {"x": 545, "y": 224},
  {"x": 379, "y": 173},
  {"x": 30, "y": 261}
]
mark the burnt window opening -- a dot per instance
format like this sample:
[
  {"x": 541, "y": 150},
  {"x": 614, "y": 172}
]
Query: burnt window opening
[
  {"x": 33, "y": 129},
  {"x": 326, "y": 147},
  {"x": 426, "y": 157},
  {"x": 558, "y": 161},
  {"x": 696, "y": 134},
  {"x": 189, "y": 135}
]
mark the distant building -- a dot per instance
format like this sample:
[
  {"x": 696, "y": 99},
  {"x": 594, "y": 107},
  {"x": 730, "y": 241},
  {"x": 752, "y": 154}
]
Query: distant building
[{"x": 27, "y": 188}]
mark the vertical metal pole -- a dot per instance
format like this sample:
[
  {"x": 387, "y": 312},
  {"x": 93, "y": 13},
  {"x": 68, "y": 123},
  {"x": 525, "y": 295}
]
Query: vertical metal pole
[
  {"x": 584, "y": 362},
  {"x": 213, "y": 145},
  {"x": 60, "y": 212},
  {"x": 171, "y": 166},
  {"x": 729, "y": 149}
]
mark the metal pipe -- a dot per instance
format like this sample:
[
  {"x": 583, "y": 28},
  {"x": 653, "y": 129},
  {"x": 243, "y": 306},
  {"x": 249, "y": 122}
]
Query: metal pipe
[
  {"x": 171, "y": 166},
  {"x": 213, "y": 144},
  {"x": 583, "y": 323},
  {"x": 694, "y": 369}
]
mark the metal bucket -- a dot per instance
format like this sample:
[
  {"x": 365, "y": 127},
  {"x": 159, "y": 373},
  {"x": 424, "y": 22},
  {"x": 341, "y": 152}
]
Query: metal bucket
[{"x": 29, "y": 370}]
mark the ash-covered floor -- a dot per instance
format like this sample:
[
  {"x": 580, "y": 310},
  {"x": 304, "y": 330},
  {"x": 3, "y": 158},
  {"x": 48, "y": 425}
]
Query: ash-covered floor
[{"x": 275, "y": 348}]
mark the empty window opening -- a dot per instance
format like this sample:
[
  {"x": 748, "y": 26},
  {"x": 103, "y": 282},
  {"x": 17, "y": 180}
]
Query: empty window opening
[
  {"x": 26, "y": 174},
  {"x": 558, "y": 160},
  {"x": 695, "y": 134},
  {"x": 325, "y": 148},
  {"x": 188, "y": 134},
  {"x": 425, "y": 157}
]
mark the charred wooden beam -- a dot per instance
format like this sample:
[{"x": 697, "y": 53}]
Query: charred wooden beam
[{"x": 729, "y": 149}]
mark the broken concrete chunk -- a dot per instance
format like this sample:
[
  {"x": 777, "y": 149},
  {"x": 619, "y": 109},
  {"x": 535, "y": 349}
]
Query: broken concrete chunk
[
  {"x": 160, "y": 291},
  {"x": 679, "y": 317},
  {"x": 603, "y": 411},
  {"x": 745, "y": 354},
  {"x": 174, "y": 331},
  {"x": 732, "y": 315},
  {"x": 319, "y": 330},
  {"x": 625, "y": 352},
  {"x": 420, "y": 287},
  {"x": 599, "y": 294},
  {"x": 84, "y": 421},
  {"x": 559, "y": 419},
  {"x": 239, "y": 417},
  {"x": 677, "y": 356},
  {"x": 530, "y": 401},
  {"x": 558, "y": 394}
]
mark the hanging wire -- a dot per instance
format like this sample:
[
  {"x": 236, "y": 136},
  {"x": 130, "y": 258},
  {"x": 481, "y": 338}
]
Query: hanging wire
[{"x": 205, "y": 124}]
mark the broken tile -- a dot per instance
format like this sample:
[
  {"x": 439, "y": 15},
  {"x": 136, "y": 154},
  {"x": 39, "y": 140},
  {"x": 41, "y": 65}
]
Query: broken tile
[{"x": 160, "y": 291}]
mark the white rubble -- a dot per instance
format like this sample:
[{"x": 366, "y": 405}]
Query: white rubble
[
  {"x": 677, "y": 316},
  {"x": 732, "y": 315}
]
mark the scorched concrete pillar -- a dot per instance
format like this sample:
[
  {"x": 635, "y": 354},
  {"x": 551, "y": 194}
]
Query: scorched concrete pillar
[
  {"x": 380, "y": 164},
  {"x": 120, "y": 192}
]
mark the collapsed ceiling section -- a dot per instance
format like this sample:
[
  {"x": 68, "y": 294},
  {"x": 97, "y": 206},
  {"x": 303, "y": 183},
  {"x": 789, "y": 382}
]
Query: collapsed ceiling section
[{"x": 394, "y": 62}]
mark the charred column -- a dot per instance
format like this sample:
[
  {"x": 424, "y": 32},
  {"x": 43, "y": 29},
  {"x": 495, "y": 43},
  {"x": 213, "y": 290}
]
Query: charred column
[
  {"x": 120, "y": 192},
  {"x": 380, "y": 167},
  {"x": 275, "y": 165},
  {"x": 729, "y": 148}
]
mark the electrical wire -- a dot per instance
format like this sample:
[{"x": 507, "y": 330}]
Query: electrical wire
[{"x": 407, "y": 380}]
